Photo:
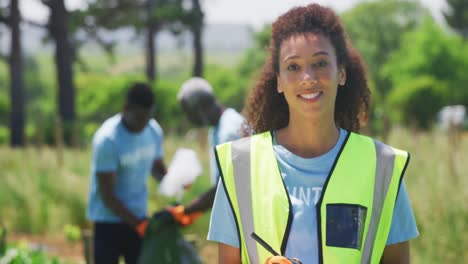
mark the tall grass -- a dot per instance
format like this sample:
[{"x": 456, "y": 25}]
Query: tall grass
[
  {"x": 36, "y": 195},
  {"x": 39, "y": 197},
  {"x": 439, "y": 198}
]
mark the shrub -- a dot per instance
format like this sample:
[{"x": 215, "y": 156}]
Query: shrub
[{"x": 416, "y": 103}]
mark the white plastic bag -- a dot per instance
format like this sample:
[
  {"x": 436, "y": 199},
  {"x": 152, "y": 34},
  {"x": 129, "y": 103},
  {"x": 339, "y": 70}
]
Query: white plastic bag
[{"x": 184, "y": 168}]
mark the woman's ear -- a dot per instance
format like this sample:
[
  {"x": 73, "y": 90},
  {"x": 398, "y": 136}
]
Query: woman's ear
[
  {"x": 278, "y": 85},
  {"x": 342, "y": 75}
]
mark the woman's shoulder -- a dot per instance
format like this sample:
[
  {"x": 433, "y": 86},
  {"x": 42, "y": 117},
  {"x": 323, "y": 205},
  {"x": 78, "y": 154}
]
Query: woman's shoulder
[
  {"x": 380, "y": 146},
  {"x": 247, "y": 139}
]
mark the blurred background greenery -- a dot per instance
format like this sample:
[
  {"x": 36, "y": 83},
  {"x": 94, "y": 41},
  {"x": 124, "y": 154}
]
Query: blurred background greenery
[{"x": 57, "y": 84}]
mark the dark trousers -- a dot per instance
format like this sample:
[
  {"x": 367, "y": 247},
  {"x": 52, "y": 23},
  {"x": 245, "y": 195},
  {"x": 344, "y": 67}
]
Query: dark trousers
[{"x": 112, "y": 240}]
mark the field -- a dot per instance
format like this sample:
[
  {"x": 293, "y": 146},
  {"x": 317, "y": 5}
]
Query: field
[{"x": 38, "y": 198}]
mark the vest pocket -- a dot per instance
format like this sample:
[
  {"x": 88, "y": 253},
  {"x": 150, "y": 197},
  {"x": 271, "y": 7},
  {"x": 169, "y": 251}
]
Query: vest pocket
[{"x": 345, "y": 225}]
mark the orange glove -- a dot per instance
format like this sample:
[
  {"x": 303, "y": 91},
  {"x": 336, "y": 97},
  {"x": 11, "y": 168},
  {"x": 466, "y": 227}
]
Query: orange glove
[
  {"x": 178, "y": 212},
  {"x": 141, "y": 228},
  {"x": 282, "y": 260}
]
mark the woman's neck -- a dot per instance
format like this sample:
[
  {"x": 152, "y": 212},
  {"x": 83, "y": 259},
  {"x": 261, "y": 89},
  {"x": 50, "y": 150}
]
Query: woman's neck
[{"x": 308, "y": 139}]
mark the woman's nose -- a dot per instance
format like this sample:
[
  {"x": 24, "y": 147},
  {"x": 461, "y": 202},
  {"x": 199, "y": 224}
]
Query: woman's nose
[{"x": 309, "y": 78}]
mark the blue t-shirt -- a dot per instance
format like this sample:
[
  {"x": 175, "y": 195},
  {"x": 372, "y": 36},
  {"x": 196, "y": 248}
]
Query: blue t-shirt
[
  {"x": 130, "y": 156},
  {"x": 304, "y": 179},
  {"x": 228, "y": 129}
]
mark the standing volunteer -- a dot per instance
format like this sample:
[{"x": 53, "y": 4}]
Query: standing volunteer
[
  {"x": 126, "y": 149},
  {"x": 306, "y": 183}
]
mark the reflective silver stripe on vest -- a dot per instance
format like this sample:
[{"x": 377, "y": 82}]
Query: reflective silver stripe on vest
[
  {"x": 383, "y": 177},
  {"x": 240, "y": 153}
]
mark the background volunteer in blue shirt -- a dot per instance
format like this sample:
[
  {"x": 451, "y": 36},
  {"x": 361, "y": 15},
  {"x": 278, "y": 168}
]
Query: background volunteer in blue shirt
[
  {"x": 297, "y": 98},
  {"x": 126, "y": 149},
  {"x": 201, "y": 107}
]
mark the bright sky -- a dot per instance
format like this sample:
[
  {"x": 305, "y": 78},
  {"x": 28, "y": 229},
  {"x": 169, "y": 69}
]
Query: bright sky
[
  {"x": 259, "y": 12},
  {"x": 251, "y": 12}
]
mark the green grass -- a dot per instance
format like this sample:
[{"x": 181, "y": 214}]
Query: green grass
[
  {"x": 22, "y": 254},
  {"x": 439, "y": 197},
  {"x": 37, "y": 196}
]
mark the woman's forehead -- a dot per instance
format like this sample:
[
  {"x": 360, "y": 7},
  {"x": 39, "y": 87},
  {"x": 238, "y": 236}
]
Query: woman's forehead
[{"x": 306, "y": 44}]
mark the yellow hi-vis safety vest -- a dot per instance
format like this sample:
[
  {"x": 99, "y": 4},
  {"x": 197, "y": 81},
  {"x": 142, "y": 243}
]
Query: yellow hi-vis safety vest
[{"x": 354, "y": 212}]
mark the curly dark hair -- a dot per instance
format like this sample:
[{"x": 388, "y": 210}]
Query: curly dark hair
[{"x": 266, "y": 109}]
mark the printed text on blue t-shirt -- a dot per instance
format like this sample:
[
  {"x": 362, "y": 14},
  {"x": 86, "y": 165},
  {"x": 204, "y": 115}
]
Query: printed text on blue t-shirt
[{"x": 306, "y": 194}]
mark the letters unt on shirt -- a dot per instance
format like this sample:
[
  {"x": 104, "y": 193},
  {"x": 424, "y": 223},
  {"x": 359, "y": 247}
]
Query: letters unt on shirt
[{"x": 305, "y": 194}]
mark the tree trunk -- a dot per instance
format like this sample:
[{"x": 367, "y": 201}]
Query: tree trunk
[
  {"x": 150, "y": 54},
  {"x": 150, "y": 43},
  {"x": 16, "y": 79},
  {"x": 58, "y": 27},
  {"x": 197, "y": 40}
]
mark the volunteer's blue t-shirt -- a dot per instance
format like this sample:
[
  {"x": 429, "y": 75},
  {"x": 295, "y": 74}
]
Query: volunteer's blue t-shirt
[
  {"x": 228, "y": 129},
  {"x": 130, "y": 156},
  {"x": 304, "y": 179}
]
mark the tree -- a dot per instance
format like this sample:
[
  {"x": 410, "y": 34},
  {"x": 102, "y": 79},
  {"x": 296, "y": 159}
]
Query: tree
[
  {"x": 457, "y": 16},
  {"x": 195, "y": 23},
  {"x": 17, "y": 115},
  {"x": 430, "y": 66},
  {"x": 152, "y": 28},
  {"x": 16, "y": 78},
  {"x": 375, "y": 28},
  {"x": 58, "y": 27},
  {"x": 150, "y": 17},
  {"x": 62, "y": 28},
  {"x": 417, "y": 102}
]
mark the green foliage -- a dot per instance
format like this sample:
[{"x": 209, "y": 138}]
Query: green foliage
[
  {"x": 48, "y": 196},
  {"x": 457, "y": 16},
  {"x": 4, "y": 107},
  {"x": 172, "y": 14},
  {"x": 4, "y": 135},
  {"x": 4, "y": 94},
  {"x": 255, "y": 57},
  {"x": 376, "y": 27},
  {"x": 40, "y": 101},
  {"x": 72, "y": 233},
  {"x": 417, "y": 102},
  {"x": 430, "y": 51},
  {"x": 39, "y": 97},
  {"x": 228, "y": 85},
  {"x": 168, "y": 112},
  {"x": 3, "y": 234},
  {"x": 23, "y": 255},
  {"x": 99, "y": 97}
]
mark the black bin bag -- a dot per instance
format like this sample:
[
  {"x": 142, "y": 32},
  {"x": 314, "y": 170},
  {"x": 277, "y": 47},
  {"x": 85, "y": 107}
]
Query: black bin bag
[{"x": 164, "y": 244}]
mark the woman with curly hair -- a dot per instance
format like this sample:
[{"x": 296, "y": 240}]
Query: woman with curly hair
[{"x": 306, "y": 185}]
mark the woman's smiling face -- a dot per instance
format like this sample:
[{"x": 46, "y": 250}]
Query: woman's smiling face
[{"x": 309, "y": 76}]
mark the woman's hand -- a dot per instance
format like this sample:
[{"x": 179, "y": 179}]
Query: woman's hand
[
  {"x": 277, "y": 260},
  {"x": 282, "y": 260}
]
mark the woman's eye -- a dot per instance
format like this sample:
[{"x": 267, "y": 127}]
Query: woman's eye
[
  {"x": 321, "y": 64},
  {"x": 293, "y": 67}
]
